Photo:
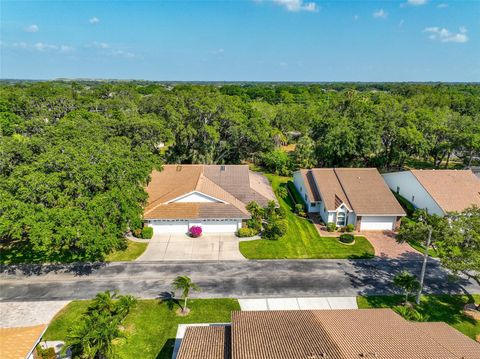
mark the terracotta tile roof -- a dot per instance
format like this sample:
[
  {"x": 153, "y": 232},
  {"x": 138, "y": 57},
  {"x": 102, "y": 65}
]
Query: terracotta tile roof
[
  {"x": 212, "y": 342},
  {"x": 451, "y": 339},
  {"x": 16, "y": 343},
  {"x": 234, "y": 185},
  {"x": 333, "y": 334},
  {"x": 453, "y": 190},
  {"x": 362, "y": 190}
]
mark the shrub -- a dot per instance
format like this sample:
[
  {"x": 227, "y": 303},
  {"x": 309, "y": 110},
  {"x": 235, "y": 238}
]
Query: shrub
[
  {"x": 275, "y": 229},
  {"x": 350, "y": 227},
  {"x": 48, "y": 353},
  {"x": 282, "y": 192},
  {"x": 246, "y": 232},
  {"x": 346, "y": 238},
  {"x": 195, "y": 231},
  {"x": 411, "y": 314},
  {"x": 137, "y": 232},
  {"x": 300, "y": 210},
  {"x": 147, "y": 233},
  {"x": 331, "y": 227}
]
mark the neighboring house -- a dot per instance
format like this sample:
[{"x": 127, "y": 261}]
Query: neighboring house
[
  {"x": 324, "y": 334},
  {"x": 20, "y": 342},
  {"x": 349, "y": 195},
  {"x": 437, "y": 191},
  {"x": 211, "y": 196}
]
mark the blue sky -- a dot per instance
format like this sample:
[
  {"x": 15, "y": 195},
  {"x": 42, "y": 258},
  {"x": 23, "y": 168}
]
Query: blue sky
[{"x": 243, "y": 40}]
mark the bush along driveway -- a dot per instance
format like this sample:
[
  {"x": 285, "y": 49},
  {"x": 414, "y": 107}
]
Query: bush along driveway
[{"x": 302, "y": 239}]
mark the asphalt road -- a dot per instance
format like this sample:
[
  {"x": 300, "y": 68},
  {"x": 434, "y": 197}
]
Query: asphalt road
[{"x": 242, "y": 279}]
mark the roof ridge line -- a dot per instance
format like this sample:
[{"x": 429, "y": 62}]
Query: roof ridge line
[{"x": 343, "y": 189}]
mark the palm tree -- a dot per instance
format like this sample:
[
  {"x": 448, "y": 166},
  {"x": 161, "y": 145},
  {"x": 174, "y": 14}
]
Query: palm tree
[
  {"x": 407, "y": 282},
  {"x": 185, "y": 284}
]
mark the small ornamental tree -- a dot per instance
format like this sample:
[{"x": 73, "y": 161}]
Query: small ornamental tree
[
  {"x": 407, "y": 282},
  {"x": 185, "y": 284}
]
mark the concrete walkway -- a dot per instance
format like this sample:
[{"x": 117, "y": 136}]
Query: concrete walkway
[
  {"x": 172, "y": 247},
  {"x": 25, "y": 314},
  {"x": 311, "y": 303}
]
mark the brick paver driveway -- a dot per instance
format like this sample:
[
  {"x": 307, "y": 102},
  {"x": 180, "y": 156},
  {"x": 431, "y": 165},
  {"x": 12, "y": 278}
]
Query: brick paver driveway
[
  {"x": 174, "y": 247},
  {"x": 386, "y": 246}
]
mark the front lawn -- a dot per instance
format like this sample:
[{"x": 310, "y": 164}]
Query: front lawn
[
  {"x": 438, "y": 308},
  {"x": 150, "y": 327},
  {"x": 132, "y": 252},
  {"x": 302, "y": 239}
]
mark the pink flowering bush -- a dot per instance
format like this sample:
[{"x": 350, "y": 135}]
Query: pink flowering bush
[{"x": 195, "y": 231}]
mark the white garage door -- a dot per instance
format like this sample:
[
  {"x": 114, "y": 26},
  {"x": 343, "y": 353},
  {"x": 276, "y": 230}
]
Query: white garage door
[
  {"x": 371, "y": 223},
  {"x": 228, "y": 226},
  {"x": 160, "y": 227}
]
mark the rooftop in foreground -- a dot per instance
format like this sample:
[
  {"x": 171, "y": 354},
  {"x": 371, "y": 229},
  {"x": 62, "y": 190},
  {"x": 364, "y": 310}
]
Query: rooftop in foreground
[{"x": 326, "y": 334}]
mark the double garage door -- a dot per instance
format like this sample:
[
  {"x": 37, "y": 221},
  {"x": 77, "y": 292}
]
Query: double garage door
[
  {"x": 208, "y": 226},
  {"x": 377, "y": 223}
]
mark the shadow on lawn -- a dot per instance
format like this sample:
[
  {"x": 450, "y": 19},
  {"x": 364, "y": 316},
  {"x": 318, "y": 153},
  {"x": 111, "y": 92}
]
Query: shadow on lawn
[
  {"x": 167, "y": 349},
  {"x": 169, "y": 299},
  {"x": 375, "y": 276}
]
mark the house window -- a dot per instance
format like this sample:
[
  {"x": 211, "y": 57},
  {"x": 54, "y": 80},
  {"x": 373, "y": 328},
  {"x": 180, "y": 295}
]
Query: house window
[
  {"x": 398, "y": 190},
  {"x": 301, "y": 188},
  {"x": 341, "y": 219},
  {"x": 313, "y": 204},
  {"x": 413, "y": 198},
  {"x": 306, "y": 198}
]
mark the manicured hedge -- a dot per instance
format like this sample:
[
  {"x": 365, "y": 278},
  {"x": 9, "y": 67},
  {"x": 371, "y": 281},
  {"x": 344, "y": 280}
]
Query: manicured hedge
[
  {"x": 347, "y": 238},
  {"x": 246, "y": 232}
]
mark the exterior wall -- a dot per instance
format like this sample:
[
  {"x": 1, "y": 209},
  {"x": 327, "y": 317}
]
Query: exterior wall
[
  {"x": 196, "y": 197},
  {"x": 409, "y": 188},
  {"x": 300, "y": 186}
]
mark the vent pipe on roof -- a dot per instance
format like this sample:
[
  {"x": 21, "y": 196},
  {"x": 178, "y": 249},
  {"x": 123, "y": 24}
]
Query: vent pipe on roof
[
  {"x": 179, "y": 168},
  {"x": 222, "y": 168}
]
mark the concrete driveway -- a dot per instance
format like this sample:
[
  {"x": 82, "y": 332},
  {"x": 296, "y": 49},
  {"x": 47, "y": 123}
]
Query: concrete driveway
[{"x": 174, "y": 247}]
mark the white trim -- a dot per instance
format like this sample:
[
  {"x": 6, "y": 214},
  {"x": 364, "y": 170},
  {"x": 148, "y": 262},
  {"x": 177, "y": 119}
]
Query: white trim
[{"x": 192, "y": 192}]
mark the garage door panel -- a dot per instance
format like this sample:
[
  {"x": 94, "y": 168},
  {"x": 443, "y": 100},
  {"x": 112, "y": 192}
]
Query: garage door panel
[
  {"x": 219, "y": 226},
  {"x": 161, "y": 227},
  {"x": 377, "y": 223}
]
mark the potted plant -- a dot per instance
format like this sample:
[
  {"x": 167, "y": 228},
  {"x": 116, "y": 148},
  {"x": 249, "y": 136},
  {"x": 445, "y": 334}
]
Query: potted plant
[{"x": 195, "y": 231}]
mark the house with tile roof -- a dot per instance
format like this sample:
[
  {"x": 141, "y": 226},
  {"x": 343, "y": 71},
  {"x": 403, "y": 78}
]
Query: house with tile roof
[
  {"x": 326, "y": 334},
  {"x": 349, "y": 195},
  {"x": 211, "y": 196},
  {"x": 437, "y": 191}
]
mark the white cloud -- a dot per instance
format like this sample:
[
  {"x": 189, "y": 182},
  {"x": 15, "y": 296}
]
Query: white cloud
[
  {"x": 94, "y": 20},
  {"x": 297, "y": 5},
  {"x": 218, "y": 51},
  {"x": 442, "y": 6},
  {"x": 98, "y": 45},
  {"x": 41, "y": 46},
  {"x": 380, "y": 14},
  {"x": 400, "y": 24},
  {"x": 20, "y": 45},
  {"x": 121, "y": 53},
  {"x": 32, "y": 28},
  {"x": 444, "y": 35},
  {"x": 355, "y": 17},
  {"x": 416, "y": 2}
]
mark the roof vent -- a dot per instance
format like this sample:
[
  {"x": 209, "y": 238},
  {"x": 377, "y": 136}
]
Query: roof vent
[
  {"x": 222, "y": 168},
  {"x": 179, "y": 168}
]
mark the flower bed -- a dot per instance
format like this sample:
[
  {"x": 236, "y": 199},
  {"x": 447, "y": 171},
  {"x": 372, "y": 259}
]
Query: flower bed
[{"x": 347, "y": 238}]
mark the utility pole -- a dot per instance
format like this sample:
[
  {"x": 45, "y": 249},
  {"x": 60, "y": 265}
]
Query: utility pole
[{"x": 424, "y": 265}]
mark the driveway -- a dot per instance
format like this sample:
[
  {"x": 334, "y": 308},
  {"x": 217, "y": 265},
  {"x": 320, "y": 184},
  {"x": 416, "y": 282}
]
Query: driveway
[
  {"x": 387, "y": 247},
  {"x": 25, "y": 314},
  {"x": 209, "y": 247}
]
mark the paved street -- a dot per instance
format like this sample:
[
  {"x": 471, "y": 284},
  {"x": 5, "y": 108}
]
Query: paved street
[{"x": 277, "y": 278}]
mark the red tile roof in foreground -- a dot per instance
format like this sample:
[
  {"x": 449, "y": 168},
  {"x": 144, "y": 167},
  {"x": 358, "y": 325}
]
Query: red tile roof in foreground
[{"x": 329, "y": 334}]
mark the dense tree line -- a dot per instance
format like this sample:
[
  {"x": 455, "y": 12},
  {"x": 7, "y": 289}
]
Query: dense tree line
[{"x": 75, "y": 156}]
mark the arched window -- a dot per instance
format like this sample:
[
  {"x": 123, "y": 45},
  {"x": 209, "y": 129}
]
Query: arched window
[{"x": 341, "y": 219}]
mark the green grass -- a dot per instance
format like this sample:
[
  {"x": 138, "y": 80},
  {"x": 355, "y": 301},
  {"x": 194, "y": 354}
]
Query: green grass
[
  {"x": 150, "y": 327},
  {"x": 438, "y": 308},
  {"x": 132, "y": 252},
  {"x": 432, "y": 252},
  {"x": 302, "y": 239}
]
